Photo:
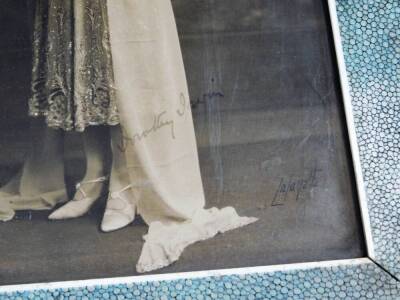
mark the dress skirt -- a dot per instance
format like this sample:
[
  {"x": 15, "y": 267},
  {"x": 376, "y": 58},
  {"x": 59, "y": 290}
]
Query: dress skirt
[
  {"x": 73, "y": 87},
  {"x": 159, "y": 141},
  {"x": 72, "y": 78}
]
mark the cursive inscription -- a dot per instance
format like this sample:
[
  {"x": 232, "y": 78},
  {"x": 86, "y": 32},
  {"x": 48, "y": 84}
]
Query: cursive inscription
[
  {"x": 206, "y": 97},
  {"x": 160, "y": 121},
  {"x": 184, "y": 106},
  {"x": 291, "y": 188}
]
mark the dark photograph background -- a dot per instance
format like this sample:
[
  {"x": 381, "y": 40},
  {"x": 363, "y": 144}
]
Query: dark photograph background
[{"x": 271, "y": 135}]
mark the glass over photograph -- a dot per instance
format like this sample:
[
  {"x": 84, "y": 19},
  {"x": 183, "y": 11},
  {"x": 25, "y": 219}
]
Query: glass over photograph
[{"x": 156, "y": 136}]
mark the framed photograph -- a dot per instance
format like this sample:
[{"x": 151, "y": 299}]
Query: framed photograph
[{"x": 185, "y": 149}]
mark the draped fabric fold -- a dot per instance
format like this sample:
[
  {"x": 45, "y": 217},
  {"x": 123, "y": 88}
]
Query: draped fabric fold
[
  {"x": 165, "y": 243},
  {"x": 158, "y": 133},
  {"x": 158, "y": 143},
  {"x": 10, "y": 203}
]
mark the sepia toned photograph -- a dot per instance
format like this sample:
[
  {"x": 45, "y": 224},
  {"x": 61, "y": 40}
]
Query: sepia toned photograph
[{"x": 155, "y": 136}]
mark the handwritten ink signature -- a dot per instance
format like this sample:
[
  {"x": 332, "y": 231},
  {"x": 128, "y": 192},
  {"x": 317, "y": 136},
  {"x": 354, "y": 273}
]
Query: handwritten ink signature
[
  {"x": 160, "y": 121},
  {"x": 206, "y": 97},
  {"x": 293, "y": 188},
  {"x": 183, "y": 109}
]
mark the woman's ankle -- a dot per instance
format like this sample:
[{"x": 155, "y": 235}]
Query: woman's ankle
[
  {"x": 119, "y": 179},
  {"x": 93, "y": 187}
]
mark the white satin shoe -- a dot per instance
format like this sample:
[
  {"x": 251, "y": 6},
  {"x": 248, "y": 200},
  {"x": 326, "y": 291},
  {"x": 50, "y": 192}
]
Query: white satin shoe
[
  {"x": 77, "y": 207},
  {"x": 120, "y": 211}
]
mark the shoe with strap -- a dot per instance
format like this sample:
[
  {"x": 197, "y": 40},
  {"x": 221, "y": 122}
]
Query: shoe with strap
[
  {"x": 78, "y": 207},
  {"x": 120, "y": 210}
]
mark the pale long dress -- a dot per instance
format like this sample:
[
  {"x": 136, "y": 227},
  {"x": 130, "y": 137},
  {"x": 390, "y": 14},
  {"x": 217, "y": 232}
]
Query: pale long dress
[{"x": 159, "y": 140}]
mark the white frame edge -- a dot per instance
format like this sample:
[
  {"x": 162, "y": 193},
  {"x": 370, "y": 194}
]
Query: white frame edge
[
  {"x": 184, "y": 275},
  {"x": 355, "y": 154},
  {"x": 261, "y": 269}
]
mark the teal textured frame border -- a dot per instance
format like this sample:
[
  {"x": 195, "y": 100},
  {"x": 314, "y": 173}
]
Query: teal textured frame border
[
  {"x": 370, "y": 34},
  {"x": 359, "y": 280},
  {"x": 370, "y": 38}
]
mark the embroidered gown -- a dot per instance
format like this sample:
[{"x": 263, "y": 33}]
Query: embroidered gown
[
  {"x": 73, "y": 87},
  {"x": 72, "y": 78}
]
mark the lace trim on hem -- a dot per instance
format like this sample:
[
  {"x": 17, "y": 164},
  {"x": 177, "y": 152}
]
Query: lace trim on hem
[{"x": 165, "y": 243}]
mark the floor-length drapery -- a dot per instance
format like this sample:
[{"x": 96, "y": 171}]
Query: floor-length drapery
[{"x": 159, "y": 140}]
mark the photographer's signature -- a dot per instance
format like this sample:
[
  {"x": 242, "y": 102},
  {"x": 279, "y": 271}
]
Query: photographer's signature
[{"x": 292, "y": 188}]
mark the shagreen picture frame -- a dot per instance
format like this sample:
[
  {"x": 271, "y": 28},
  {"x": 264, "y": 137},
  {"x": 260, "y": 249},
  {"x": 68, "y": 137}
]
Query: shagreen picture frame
[{"x": 366, "y": 43}]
